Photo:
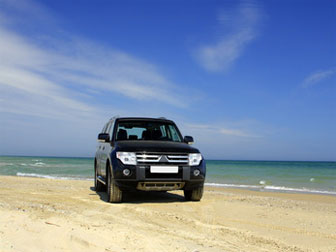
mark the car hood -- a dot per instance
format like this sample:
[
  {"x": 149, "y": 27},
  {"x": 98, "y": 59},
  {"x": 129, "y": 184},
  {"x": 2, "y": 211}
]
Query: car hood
[{"x": 154, "y": 146}]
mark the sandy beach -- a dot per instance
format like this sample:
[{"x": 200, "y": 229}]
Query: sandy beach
[{"x": 68, "y": 215}]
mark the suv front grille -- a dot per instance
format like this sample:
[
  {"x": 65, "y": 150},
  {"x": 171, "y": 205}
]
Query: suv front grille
[{"x": 162, "y": 158}]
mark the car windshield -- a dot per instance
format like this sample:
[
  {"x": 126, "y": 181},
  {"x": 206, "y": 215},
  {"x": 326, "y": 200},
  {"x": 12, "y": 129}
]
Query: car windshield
[{"x": 147, "y": 130}]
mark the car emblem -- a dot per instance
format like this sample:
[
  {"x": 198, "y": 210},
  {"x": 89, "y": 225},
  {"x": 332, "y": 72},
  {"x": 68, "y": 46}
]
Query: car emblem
[{"x": 163, "y": 159}]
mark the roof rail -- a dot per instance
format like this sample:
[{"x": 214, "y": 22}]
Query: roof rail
[
  {"x": 162, "y": 118},
  {"x": 114, "y": 117}
]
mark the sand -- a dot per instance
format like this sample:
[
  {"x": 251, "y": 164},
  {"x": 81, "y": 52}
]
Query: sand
[{"x": 68, "y": 215}]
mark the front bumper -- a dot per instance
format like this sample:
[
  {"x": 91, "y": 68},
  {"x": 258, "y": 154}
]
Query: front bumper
[{"x": 141, "y": 178}]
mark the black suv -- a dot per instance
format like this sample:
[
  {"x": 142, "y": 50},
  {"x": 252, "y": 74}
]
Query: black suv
[{"x": 147, "y": 154}]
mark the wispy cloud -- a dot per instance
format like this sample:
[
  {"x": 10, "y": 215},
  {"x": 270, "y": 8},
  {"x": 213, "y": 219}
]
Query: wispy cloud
[
  {"x": 221, "y": 130},
  {"x": 42, "y": 75},
  {"x": 239, "y": 28},
  {"x": 318, "y": 76}
]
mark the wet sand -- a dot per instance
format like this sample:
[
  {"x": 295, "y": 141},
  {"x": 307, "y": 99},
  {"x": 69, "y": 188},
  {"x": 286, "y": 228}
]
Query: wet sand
[{"x": 68, "y": 215}]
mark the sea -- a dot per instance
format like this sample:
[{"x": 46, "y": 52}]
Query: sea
[{"x": 282, "y": 176}]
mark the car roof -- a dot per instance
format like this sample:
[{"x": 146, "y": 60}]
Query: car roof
[{"x": 161, "y": 119}]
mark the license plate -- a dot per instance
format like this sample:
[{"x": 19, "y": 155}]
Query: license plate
[{"x": 163, "y": 169}]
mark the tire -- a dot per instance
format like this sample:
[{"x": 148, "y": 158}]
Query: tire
[
  {"x": 114, "y": 194},
  {"x": 99, "y": 186},
  {"x": 194, "y": 195}
]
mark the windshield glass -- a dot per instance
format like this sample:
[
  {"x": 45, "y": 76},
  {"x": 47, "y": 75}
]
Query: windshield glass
[{"x": 147, "y": 130}]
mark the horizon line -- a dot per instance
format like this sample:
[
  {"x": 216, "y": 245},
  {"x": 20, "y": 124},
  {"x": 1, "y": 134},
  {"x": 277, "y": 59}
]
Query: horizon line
[{"x": 246, "y": 160}]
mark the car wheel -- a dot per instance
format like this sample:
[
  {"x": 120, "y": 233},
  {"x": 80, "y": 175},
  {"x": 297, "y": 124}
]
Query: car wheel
[
  {"x": 99, "y": 186},
  {"x": 194, "y": 195},
  {"x": 114, "y": 194}
]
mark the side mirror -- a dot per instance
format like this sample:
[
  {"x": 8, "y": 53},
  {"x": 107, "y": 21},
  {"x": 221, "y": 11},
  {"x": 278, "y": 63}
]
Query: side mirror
[
  {"x": 188, "y": 139},
  {"x": 104, "y": 137}
]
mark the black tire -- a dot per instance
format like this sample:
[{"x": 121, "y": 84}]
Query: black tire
[
  {"x": 114, "y": 194},
  {"x": 99, "y": 186},
  {"x": 194, "y": 195}
]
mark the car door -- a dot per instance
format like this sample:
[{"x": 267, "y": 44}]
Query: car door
[
  {"x": 106, "y": 148},
  {"x": 99, "y": 153}
]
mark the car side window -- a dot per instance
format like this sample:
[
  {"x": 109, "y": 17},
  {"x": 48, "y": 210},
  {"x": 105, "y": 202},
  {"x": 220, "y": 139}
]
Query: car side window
[
  {"x": 104, "y": 128},
  {"x": 163, "y": 131},
  {"x": 110, "y": 129},
  {"x": 174, "y": 133}
]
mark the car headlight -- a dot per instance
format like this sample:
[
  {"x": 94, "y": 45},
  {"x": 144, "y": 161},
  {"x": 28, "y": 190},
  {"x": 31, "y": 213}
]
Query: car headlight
[
  {"x": 127, "y": 158},
  {"x": 195, "y": 159}
]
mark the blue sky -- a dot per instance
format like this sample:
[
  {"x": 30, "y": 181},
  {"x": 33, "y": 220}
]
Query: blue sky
[{"x": 253, "y": 80}]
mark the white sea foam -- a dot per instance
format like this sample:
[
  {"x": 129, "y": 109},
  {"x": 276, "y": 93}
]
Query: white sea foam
[
  {"x": 262, "y": 182},
  {"x": 272, "y": 188},
  {"x": 35, "y": 175},
  {"x": 304, "y": 190},
  {"x": 5, "y": 164},
  {"x": 38, "y": 164},
  {"x": 232, "y": 185}
]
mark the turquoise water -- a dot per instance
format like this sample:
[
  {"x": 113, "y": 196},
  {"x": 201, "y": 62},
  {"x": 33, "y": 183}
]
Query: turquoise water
[
  {"x": 318, "y": 177},
  {"x": 51, "y": 167},
  {"x": 310, "y": 177}
]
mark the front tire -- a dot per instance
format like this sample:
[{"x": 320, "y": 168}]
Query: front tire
[
  {"x": 194, "y": 195},
  {"x": 99, "y": 186},
  {"x": 114, "y": 194}
]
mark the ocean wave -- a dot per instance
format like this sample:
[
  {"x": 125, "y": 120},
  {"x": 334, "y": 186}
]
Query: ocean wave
[
  {"x": 273, "y": 188},
  {"x": 304, "y": 190},
  {"x": 38, "y": 164},
  {"x": 6, "y": 164},
  {"x": 36, "y": 175},
  {"x": 232, "y": 185}
]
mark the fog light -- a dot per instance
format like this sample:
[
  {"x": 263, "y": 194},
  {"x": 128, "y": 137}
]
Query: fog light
[
  {"x": 196, "y": 173},
  {"x": 126, "y": 172}
]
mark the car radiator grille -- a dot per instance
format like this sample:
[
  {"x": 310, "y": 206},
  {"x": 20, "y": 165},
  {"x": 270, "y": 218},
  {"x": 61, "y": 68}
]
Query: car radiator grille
[{"x": 167, "y": 158}]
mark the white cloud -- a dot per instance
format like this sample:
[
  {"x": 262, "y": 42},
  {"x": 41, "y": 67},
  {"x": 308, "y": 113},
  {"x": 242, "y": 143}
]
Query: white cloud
[
  {"x": 55, "y": 76},
  {"x": 227, "y": 139},
  {"x": 318, "y": 76},
  {"x": 243, "y": 23},
  {"x": 219, "y": 130}
]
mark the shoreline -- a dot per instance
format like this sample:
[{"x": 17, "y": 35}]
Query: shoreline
[
  {"x": 34, "y": 210},
  {"x": 265, "y": 188}
]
